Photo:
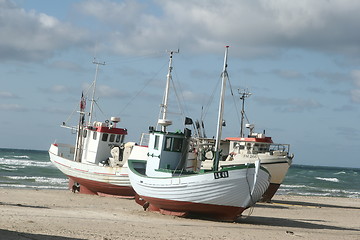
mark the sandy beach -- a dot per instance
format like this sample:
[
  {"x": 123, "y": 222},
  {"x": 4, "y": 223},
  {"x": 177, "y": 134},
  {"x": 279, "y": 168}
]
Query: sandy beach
[{"x": 60, "y": 214}]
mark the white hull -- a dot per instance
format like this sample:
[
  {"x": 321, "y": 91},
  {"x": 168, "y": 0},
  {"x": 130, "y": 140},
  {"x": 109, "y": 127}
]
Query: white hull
[
  {"x": 188, "y": 193},
  {"x": 96, "y": 179},
  {"x": 277, "y": 166}
]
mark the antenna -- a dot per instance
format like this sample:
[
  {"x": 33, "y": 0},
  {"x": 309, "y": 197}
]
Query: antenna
[
  {"x": 244, "y": 93},
  {"x": 165, "y": 122},
  {"x": 94, "y": 89}
]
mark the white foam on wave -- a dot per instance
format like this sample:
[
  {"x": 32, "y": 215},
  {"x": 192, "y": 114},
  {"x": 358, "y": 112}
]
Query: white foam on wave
[
  {"x": 8, "y": 168},
  {"x": 293, "y": 186},
  {"x": 36, "y": 187},
  {"x": 23, "y": 156},
  {"x": 40, "y": 179},
  {"x": 24, "y": 163},
  {"x": 341, "y": 172},
  {"x": 328, "y": 179}
]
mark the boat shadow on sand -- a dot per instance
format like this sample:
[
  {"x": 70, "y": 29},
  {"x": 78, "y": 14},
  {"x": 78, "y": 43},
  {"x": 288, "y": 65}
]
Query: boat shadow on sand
[
  {"x": 287, "y": 204},
  {"x": 13, "y": 235},
  {"x": 294, "y": 223}
]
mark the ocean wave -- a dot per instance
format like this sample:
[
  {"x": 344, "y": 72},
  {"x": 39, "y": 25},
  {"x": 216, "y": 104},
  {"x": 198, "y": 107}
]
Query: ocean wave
[
  {"x": 341, "y": 172},
  {"x": 40, "y": 179},
  {"x": 293, "y": 186},
  {"x": 24, "y": 156},
  {"x": 8, "y": 168},
  {"x": 328, "y": 179},
  {"x": 24, "y": 163},
  {"x": 36, "y": 187}
]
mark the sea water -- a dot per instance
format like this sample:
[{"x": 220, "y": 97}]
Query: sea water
[
  {"x": 33, "y": 169},
  {"x": 29, "y": 169}
]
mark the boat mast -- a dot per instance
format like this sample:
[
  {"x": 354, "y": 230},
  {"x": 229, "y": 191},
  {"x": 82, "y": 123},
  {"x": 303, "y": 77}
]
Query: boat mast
[
  {"x": 163, "y": 121},
  {"x": 94, "y": 89},
  {"x": 244, "y": 94},
  {"x": 224, "y": 75},
  {"x": 79, "y": 138}
]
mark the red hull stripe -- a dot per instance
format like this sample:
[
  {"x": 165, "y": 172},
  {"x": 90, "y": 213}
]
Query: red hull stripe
[
  {"x": 105, "y": 188},
  {"x": 171, "y": 207}
]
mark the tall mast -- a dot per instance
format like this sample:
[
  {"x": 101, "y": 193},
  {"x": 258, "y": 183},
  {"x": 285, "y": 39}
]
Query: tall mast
[
  {"x": 224, "y": 75},
  {"x": 94, "y": 89},
  {"x": 163, "y": 121},
  {"x": 244, "y": 94}
]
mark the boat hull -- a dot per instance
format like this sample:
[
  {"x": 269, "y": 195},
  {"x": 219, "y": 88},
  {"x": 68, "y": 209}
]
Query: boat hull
[
  {"x": 223, "y": 198},
  {"x": 183, "y": 209},
  {"x": 277, "y": 167},
  {"x": 94, "y": 179}
]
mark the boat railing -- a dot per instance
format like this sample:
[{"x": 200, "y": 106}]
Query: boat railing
[
  {"x": 280, "y": 147},
  {"x": 144, "y": 139}
]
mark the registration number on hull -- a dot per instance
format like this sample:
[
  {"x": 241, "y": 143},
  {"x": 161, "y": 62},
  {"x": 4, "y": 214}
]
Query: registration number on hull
[{"x": 222, "y": 174}]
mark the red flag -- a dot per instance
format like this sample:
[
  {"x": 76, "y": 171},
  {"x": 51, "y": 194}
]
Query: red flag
[{"x": 82, "y": 102}]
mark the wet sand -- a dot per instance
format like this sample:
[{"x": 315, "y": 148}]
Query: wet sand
[{"x": 60, "y": 214}]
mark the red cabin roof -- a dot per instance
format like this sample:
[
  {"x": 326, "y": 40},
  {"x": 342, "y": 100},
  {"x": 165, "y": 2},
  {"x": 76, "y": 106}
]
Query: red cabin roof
[
  {"x": 122, "y": 131},
  {"x": 251, "y": 139}
]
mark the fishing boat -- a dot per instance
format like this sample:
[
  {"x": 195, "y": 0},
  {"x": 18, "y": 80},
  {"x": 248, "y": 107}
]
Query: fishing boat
[
  {"x": 97, "y": 163},
  {"x": 275, "y": 157},
  {"x": 164, "y": 182}
]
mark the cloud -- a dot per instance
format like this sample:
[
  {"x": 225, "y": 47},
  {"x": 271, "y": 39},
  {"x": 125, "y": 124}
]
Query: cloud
[
  {"x": 355, "y": 95},
  {"x": 66, "y": 65},
  {"x": 254, "y": 28},
  {"x": 29, "y": 35},
  {"x": 345, "y": 108},
  {"x": 56, "y": 89},
  {"x": 288, "y": 74},
  {"x": 8, "y": 95},
  {"x": 348, "y": 132},
  {"x": 104, "y": 91},
  {"x": 290, "y": 105},
  {"x": 12, "y": 107},
  {"x": 332, "y": 77}
]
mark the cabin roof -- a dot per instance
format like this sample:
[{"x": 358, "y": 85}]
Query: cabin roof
[
  {"x": 122, "y": 131},
  {"x": 251, "y": 139}
]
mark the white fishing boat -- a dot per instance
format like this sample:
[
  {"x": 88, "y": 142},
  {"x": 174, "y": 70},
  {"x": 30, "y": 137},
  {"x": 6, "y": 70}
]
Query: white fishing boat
[
  {"x": 164, "y": 183},
  {"x": 97, "y": 163},
  {"x": 275, "y": 157}
]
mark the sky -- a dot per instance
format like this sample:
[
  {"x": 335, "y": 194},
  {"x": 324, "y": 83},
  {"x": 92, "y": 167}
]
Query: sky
[{"x": 300, "y": 60}]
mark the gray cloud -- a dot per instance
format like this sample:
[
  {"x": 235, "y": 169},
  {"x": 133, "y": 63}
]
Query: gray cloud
[
  {"x": 254, "y": 28},
  {"x": 8, "y": 95},
  {"x": 290, "y": 105},
  {"x": 12, "y": 107}
]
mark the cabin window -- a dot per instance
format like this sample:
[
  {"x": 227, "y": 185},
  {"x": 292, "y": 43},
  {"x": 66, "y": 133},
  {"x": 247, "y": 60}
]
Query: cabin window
[
  {"x": 112, "y": 138},
  {"x": 105, "y": 137},
  {"x": 173, "y": 144},
  {"x": 177, "y": 144},
  {"x": 94, "y": 135},
  {"x": 167, "y": 144},
  {"x": 118, "y": 137},
  {"x": 85, "y": 133},
  {"x": 156, "y": 144}
]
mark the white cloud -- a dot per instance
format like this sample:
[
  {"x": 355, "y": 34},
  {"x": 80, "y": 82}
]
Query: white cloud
[
  {"x": 28, "y": 35},
  {"x": 253, "y": 27},
  {"x": 11, "y": 107}
]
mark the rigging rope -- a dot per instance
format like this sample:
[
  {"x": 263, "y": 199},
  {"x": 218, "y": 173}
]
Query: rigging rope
[{"x": 141, "y": 90}]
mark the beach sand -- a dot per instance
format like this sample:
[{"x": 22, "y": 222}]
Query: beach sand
[{"x": 61, "y": 214}]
